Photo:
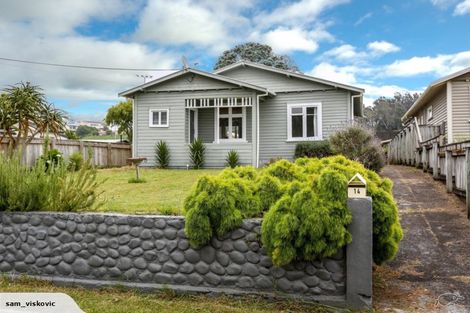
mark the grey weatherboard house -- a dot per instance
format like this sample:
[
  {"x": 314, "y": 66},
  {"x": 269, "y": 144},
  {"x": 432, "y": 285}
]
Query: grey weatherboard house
[{"x": 257, "y": 110}]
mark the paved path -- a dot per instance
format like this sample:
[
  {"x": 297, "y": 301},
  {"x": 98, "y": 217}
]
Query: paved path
[{"x": 434, "y": 256}]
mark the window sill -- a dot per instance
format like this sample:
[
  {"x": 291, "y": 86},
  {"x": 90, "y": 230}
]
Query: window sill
[
  {"x": 159, "y": 126},
  {"x": 223, "y": 141},
  {"x": 304, "y": 139}
]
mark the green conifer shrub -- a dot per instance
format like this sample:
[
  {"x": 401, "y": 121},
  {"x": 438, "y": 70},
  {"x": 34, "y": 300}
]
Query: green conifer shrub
[{"x": 304, "y": 206}]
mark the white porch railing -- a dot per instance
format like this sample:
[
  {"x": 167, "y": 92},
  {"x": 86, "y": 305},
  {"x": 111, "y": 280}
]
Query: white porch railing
[{"x": 219, "y": 102}]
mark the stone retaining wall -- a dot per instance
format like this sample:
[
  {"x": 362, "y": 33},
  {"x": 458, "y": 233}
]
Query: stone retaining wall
[{"x": 153, "y": 251}]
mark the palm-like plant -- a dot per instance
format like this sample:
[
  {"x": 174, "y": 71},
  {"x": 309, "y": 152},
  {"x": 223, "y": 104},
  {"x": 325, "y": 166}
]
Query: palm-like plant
[{"x": 24, "y": 113}]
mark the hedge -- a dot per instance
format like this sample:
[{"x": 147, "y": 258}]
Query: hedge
[{"x": 303, "y": 205}]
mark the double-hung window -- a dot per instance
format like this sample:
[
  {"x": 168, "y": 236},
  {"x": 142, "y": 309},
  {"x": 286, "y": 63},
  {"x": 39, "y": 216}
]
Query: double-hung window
[
  {"x": 304, "y": 122},
  {"x": 231, "y": 123},
  {"x": 159, "y": 118}
]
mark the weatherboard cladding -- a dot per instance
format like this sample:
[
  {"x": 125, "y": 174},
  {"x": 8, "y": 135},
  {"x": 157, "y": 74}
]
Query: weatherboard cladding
[
  {"x": 273, "y": 120},
  {"x": 461, "y": 110},
  {"x": 439, "y": 109},
  {"x": 191, "y": 81},
  {"x": 176, "y": 134},
  {"x": 275, "y": 82}
]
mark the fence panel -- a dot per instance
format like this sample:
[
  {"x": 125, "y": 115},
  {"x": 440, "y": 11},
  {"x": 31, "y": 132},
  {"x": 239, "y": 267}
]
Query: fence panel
[{"x": 103, "y": 154}]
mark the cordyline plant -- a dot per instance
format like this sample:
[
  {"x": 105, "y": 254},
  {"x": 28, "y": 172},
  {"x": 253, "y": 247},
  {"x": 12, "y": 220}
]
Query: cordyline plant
[{"x": 25, "y": 113}]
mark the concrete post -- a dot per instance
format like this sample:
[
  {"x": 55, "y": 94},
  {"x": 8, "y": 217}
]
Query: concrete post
[
  {"x": 449, "y": 176},
  {"x": 435, "y": 165},
  {"x": 359, "y": 255}
]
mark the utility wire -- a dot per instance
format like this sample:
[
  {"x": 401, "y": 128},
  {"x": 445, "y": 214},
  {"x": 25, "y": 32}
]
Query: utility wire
[{"x": 90, "y": 67}]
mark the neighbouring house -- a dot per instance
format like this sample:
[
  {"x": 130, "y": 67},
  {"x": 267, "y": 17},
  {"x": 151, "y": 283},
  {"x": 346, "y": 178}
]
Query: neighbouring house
[
  {"x": 259, "y": 111},
  {"x": 445, "y": 103}
]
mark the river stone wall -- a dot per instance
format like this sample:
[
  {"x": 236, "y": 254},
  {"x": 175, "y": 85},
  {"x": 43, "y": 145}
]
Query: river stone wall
[{"x": 153, "y": 251}]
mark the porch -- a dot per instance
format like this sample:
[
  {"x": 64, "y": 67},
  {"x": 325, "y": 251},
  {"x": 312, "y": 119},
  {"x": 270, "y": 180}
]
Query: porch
[{"x": 223, "y": 124}]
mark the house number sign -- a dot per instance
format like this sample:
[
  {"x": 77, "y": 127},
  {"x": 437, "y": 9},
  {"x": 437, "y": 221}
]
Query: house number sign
[{"x": 357, "y": 187}]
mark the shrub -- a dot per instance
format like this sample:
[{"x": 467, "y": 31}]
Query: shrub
[
  {"x": 232, "y": 159},
  {"x": 313, "y": 149},
  {"x": 40, "y": 189},
  {"x": 305, "y": 205},
  {"x": 51, "y": 158},
  {"x": 162, "y": 154},
  {"x": 358, "y": 143},
  {"x": 196, "y": 153},
  {"x": 75, "y": 162}
]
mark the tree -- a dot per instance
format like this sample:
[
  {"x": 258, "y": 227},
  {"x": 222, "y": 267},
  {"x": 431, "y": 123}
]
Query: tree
[
  {"x": 85, "y": 131},
  {"x": 71, "y": 135},
  {"x": 385, "y": 114},
  {"x": 25, "y": 113},
  {"x": 255, "y": 52},
  {"x": 121, "y": 115}
]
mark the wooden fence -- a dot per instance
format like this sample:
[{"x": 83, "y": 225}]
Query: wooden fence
[
  {"x": 446, "y": 162},
  {"x": 103, "y": 154}
]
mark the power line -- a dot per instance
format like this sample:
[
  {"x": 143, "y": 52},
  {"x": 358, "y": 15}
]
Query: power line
[{"x": 90, "y": 67}]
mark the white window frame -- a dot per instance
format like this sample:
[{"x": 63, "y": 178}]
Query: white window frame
[
  {"x": 304, "y": 107},
  {"x": 429, "y": 113},
  {"x": 217, "y": 117},
  {"x": 151, "y": 124}
]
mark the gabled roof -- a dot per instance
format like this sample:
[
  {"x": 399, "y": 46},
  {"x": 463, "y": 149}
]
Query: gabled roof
[
  {"x": 197, "y": 72},
  {"x": 287, "y": 73},
  {"x": 430, "y": 91}
]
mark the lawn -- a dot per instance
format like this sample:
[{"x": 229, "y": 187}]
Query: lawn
[
  {"x": 117, "y": 300},
  {"x": 163, "y": 192}
]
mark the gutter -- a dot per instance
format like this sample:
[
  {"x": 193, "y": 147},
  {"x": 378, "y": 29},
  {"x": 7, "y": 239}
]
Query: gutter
[{"x": 257, "y": 126}]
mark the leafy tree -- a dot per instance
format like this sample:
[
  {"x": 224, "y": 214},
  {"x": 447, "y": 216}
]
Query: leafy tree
[
  {"x": 255, "y": 52},
  {"x": 385, "y": 114},
  {"x": 85, "y": 131},
  {"x": 71, "y": 135},
  {"x": 121, "y": 115},
  {"x": 25, "y": 113}
]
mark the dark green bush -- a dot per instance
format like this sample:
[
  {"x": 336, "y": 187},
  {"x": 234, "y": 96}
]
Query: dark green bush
[
  {"x": 232, "y": 160},
  {"x": 51, "y": 158},
  {"x": 359, "y": 144},
  {"x": 313, "y": 149},
  {"x": 162, "y": 154},
  {"x": 75, "y": 162},
  {"x": 197, "y": 152},
  {"x": 305, "y": 205}
]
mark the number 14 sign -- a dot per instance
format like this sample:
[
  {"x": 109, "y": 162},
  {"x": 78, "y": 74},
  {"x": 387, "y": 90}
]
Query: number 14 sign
[{"x": 357, "y": 187}]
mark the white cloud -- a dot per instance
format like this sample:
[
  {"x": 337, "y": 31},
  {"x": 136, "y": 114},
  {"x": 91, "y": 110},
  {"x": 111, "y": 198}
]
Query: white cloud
[
  {"x": 61, "y": 17},
  {"x": 363, "y": 18},
  {"x": 179, "y": 22},
  {"x": 297, "y": 13},
  {"x": 443, "y": 4},
  {"x": 439, "y": 65},
  {"x": 286, "y": 40},
  {"x": 382, "y": 47},
  {"x": 345, "y": 53},
  {"x": 344, "y": 74},
  {"x": 462, "y": 8}
]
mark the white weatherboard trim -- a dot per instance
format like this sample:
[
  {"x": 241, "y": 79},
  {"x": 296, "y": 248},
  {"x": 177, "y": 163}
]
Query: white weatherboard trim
[
  {"x": 319, "y": 122},
  {"x": 134, "y": 128},
  {"x": 159, "y": 125},
  {"x": 450, "y": 133}
]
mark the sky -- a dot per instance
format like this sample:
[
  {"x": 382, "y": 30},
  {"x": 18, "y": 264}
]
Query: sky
[{"x": 381, "y": 46}]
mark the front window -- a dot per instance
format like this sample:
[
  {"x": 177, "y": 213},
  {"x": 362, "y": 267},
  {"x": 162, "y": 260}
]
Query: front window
[
  {"x": 231, "y": 123},
  {"x": 304, "y": 122},
  {"x": 159, "y": 118},
  {"x": 430, "y": 113}
]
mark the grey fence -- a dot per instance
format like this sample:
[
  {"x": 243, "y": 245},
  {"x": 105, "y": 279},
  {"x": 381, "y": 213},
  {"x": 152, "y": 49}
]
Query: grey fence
[
  {"x": 103, "y": 154},
  {"x": 447, "y": 162}
]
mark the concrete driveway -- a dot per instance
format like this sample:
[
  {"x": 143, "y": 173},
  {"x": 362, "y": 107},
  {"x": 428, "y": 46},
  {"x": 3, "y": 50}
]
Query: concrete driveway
[{"x": 432, "y": 270}]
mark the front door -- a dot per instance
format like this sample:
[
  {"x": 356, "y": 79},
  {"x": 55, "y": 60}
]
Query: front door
[{"x": 192, "y": 125}]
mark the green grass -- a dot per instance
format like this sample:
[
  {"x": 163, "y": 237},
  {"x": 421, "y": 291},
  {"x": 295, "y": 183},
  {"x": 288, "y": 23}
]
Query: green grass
[
  {"x": 163, "y": 191},
  {"x": 121, "y": 300}
]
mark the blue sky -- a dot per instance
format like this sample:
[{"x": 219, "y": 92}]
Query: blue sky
[{"x": 382, "y": 46}]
